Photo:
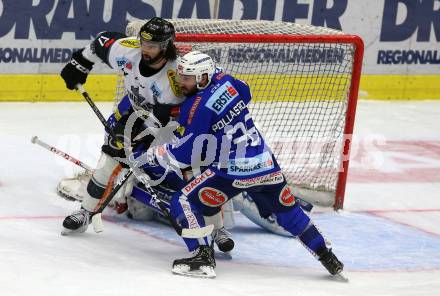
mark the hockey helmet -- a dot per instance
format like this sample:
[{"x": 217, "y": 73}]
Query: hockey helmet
[
  {"x": 196, "y": 63},
  {"x": 158, "y": 30}
]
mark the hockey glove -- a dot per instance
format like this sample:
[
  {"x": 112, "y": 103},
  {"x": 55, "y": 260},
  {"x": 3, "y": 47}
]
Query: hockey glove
[{"x": 76, "y": 70}]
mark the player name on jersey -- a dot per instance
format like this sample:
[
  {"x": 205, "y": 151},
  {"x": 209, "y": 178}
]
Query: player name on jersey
[{"x": 229, "y": 117}]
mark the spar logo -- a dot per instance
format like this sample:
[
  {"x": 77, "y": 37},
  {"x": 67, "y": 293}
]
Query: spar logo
[
  {"x": 286, "y": 197},
  {"x": 212, "y": 197}
]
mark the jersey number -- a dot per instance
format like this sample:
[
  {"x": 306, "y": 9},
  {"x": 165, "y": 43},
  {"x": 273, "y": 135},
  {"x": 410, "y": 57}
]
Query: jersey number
[{"x": 248, "y": 134}]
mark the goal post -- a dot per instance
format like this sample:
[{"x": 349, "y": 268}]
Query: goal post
[{"x": 304, "y": 82}]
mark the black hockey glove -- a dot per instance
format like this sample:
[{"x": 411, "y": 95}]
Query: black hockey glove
[{"x": 76, "y": 70}]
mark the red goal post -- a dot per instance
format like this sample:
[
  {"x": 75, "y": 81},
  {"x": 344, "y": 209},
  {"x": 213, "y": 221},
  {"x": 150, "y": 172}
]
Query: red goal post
[{"x": 305, "y": 83}]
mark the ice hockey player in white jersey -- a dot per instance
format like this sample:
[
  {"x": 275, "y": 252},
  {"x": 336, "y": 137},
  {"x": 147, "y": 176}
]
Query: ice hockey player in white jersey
[
  {"x": 220, "y": 144},
  {"x": 148, "y": 63}
]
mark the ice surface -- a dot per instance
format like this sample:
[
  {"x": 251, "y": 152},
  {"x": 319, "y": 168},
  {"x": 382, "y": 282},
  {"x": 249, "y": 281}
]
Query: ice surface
[{"x": 388, "y": 235}]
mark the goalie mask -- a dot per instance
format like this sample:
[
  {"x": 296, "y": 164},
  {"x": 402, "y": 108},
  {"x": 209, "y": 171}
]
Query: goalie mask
[
  {"x": 159, "y": 33},
  {"x": 196, "y": 64}
]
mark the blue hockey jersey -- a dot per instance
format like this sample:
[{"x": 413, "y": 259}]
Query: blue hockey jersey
[{"x": 217, "y": 131}]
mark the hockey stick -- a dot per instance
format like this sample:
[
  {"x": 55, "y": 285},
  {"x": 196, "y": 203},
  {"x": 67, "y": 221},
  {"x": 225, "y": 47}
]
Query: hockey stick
[
  {"x": 184, "y": 232},
  {"x": 105, "y": 200},
  {"x": 36, "y": 140},
  {"x": 108, "y": 195},
  {"x": 98, "y": 114}
]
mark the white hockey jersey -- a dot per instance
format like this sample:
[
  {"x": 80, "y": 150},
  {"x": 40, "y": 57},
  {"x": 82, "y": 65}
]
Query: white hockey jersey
[{"x": 125, "y": 54}]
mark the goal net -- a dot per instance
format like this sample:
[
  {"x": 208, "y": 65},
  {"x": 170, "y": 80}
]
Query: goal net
[{"x": 304, "y": 81}]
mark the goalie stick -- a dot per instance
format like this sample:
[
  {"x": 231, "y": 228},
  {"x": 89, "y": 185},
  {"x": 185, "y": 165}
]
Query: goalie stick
[
  {"x": 110, "y": 193},
  {"x": 36, "y": 140},
  {"x": 184, "y": 232}
]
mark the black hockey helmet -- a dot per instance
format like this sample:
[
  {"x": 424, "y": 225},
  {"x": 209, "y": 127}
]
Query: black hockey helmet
[{"x": 158, "y": 30}]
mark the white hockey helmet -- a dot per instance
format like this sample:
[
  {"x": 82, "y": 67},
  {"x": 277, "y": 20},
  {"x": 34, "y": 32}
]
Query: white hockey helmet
[{"x": 196, "y": 64}]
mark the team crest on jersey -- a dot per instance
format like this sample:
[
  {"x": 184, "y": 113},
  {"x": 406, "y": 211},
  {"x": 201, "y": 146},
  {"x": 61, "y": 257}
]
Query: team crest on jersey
[
  {"x": 173, "y": 83},
  {"x": 222, "y": 97},
  {"x": 131, "y": 43},
  {"x": 286, "y": 197},
  {"x": 212, "y": 197}
]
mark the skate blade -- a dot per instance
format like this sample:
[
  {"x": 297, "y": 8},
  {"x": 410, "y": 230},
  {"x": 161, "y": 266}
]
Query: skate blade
[
  {"x": 66, "y": 232},
  {"x": 223, "y": 255},
  {"x": 340, "y": 277},
  {"x": 204, "y": 272}
]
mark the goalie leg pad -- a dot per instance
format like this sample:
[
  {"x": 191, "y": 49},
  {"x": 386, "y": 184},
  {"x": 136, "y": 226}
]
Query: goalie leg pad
[
  {"x": 245, "y": 204},
  {"x": 74, "y": 188},
  {"x": 98, "y": 182}
]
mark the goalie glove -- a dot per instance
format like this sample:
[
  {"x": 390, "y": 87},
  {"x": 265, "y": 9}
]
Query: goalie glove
[{"x": 76, "y": 70}]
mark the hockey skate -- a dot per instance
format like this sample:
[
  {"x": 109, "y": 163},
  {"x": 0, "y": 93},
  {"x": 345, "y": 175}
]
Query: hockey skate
[
  {"x": 77, "y": 222},
  {"x": 332, "y": 264},
  {"x": 201, "y": 265},
  {"x": 223, "y": 239}
]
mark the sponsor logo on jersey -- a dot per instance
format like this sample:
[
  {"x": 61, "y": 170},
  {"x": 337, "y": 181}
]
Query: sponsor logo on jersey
[
  {"x": 131, "y": 43},
  {"x": 274, "y": 178},
  {"x": 123, "y": 62},
  {"x": 155, "y": 90},
  {"x": 230, "y": 116},
  {"x": 197, "y": 181},
  {"x": 286, "y": 197},
  {"x": 252, "y": 165},
  {"x": 189, "y": 215},
  {"x": 212, "y": 197},
  {"x": 138, "y": 100},
  {"x": 173, "y": 83},
  {"x": 221, "y": 98},
  {"x": 193, "y": 109},
  {"x": 146, "y": 36}
]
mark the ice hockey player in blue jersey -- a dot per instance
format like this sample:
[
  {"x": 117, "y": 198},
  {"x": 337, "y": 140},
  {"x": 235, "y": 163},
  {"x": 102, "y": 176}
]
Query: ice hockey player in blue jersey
[{"x": 221, "y": 153}]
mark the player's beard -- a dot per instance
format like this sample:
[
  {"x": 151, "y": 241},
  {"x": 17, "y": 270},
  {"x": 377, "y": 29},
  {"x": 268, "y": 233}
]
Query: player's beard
[
  {"x": 148, "y": 60},
  {"x": 188, "y": 92}
]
